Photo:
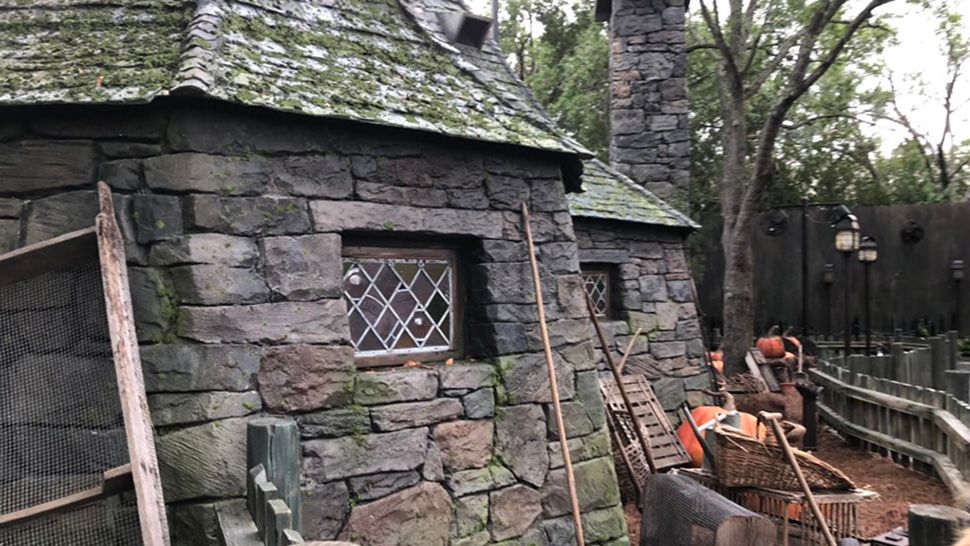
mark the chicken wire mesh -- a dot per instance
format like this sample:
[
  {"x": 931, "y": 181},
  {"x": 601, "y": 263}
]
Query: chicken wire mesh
[{"x": 61, "y": 425}]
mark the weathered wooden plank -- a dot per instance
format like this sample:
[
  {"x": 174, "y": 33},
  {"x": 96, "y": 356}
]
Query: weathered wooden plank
[
  {"x": 940, "y": 361},
  {"x": 69, "y": 250},
  {"x": 114, "y": 481},
  {"x": 931, "y": 525},
  {"x": 131, "y": 385},
  {"x": 236, "y": 525},
  {"x": 274, "y": 443}
]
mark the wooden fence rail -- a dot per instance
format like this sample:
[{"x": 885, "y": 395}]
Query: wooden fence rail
[{"x": 923, "y": 428}]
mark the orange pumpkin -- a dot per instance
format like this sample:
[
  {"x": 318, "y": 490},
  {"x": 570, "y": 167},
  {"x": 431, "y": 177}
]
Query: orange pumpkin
[
  {"x": 704, "y": 414},
  {"x": 791, "y": 358},
  {"x": 716, "y": 355},
  {"x": 771, "y": 344},
  {"x": 718, "y": 365}
]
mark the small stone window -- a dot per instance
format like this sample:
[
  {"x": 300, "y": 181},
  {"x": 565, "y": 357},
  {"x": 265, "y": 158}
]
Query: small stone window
[
  {"x": 598, "y": 282},
  {"x": 402, "y": 303}
]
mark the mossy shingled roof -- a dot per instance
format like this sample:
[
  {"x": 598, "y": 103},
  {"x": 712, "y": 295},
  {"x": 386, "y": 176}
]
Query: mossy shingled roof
[
  {"x": 609, "y": 195},
  {"x": 377, "y": 61}
]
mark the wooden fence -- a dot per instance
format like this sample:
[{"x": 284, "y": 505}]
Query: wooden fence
[{"x": 923, "y": 428}]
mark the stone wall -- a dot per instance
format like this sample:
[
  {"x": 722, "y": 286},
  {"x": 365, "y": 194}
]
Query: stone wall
[
  {"x": 652, "y": 291},
  {"x": 650, "y": 136},
  {"x": 235, "y": 221}
]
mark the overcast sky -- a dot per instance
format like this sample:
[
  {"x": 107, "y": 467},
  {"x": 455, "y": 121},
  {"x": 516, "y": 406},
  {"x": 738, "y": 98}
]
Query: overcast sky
[{"x": 918, "y": 53}]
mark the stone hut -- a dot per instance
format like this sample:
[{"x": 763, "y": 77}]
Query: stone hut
[{"x": 321, "y": 207}]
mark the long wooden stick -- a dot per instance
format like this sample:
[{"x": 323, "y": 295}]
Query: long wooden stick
[
  {"x": 644, "y": 444},
  {"x": 131, "y": 385},
  {"x": 113, "y": 481},
  {"x": 774, "y": 418},
  {"x": 553, "y": 383},
  {"x": 629, "y": 347}
]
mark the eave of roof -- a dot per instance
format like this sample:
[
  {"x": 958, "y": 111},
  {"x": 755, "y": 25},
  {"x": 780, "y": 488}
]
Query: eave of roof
[
  {"x": 610, "y": 195},
  {"x": 375, "y": 61}
]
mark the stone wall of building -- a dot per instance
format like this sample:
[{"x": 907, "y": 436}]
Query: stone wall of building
[
  {"x": 651, "y": 290},
  {"x": 235, "y": 220},
  {"x": 650, "y": 136}
]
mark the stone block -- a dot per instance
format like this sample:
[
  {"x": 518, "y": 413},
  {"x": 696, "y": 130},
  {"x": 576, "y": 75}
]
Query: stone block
[
  {"x": 205, "y": 461},
  {"x": 596, "y": 487},
  {"x": 418, "y": 516},
  {"x": 479, "y": 404},
  {"x": 325, "y": 508},
  {"x": 375, "y": 486},
  {"x": 118, "y": 123},
  {"x": 157, "y": 217},
  {"x": 668, "y": 349},
  {"x": 653, "y": 288},
  {"x": 466, "y": 482},
  {"x": 154, "y": 301},
  {"x": 304, "y": 268},
  {"x": 680, "y": 291},
  {"x": 670, "y": 392},
  {"x": 504, "y": 251},
  {"x": 387, "y": 387},
  {"x": 521, "y": 442},
  {"x": 121, "y": 174},
  {"x": 56, "y": 215},
  {"x": 471, "y": 515},
  {"x": 465, "y": 444},
  {"x": 306, "y": 377},
  {"x": 326, "y": 176},
  {"x": 464, "y": 375},
  {"x": 220, "y": 132},
  {"x": 376, "y": 192},
  {"x": 506, "y": 193},
  {"x": 268, "y": 215},
  {"x": 9, "y": 235},
  {"x": 127, "y": 149},
  {"x": 334, "y": 216},
  {"x": 330, "y": 459},
  {"x": 580, "y": 356},
  {"x": 185, "y": 408},
  {"x": 415, "y": 414},
  {"x": 333, "y": 423},
  {"x": 322, "y": 322},
  {"x": 668, "y": 315},
  {"x": 526, "y": 378},
  {"x": 206, "y": 248},
  {"x": 581, "y": 449},
  {"x": 194, "y": 524},
  {"x": 187, "y": 368},
  {"x": 11, "y": 208},
  {"x": 513, "y": 510},
  {"x": 43, "y": 165},
  {"x": 433, "y": 469},
  {"x": 207, "y": 284}
]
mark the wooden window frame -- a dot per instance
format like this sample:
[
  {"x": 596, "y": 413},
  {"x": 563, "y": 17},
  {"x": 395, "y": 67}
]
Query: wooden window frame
[
  {"x": 416, "y": 250},
  {"x": 607, "y": 270}
]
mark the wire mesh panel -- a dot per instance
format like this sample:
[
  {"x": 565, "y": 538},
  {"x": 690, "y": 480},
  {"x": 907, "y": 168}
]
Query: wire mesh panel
[{"x": 61, "y": 424}]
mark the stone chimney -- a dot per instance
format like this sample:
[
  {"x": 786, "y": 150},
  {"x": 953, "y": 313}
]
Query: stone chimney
[{"x": 649, "y": 134}]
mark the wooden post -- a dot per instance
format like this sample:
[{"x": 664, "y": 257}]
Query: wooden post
[
  {"x": 131, "y": 384},
  {"x": 958, "y": 384},
  {"x": 940, "y": 361},
  {"x": 274, "y": 443},
  {"x": 899, "y": 363},
  {"x": 953, "y": 338},
  {"x": 931, "y": 525},
  {"x": 553, "y": 383}
]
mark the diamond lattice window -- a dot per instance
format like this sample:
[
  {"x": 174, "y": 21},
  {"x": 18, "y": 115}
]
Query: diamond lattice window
[
  {"x": 597, "y": 284},
  {"x": 400, "y": 302}
]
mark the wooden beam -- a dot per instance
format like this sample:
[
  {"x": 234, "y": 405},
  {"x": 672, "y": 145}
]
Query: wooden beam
[
  {"x": 114, "y": 481},
  {"x": 131, "y": 385},
  {"x": 273, "y": 443},
  {"x": 68, "y": 250}
]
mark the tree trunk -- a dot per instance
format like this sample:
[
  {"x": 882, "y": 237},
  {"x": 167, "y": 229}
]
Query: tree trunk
[{"x": 738, "y": 303}]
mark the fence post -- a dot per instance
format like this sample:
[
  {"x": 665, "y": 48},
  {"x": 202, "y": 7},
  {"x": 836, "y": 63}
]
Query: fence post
[
  {"x": 940, "y": 358},
  {"x": 931, "y": 525},
  {"x": 899, "y": 362},
  {"x": 275, "y": 443},
  {"x": 958, "y": 384},
  {"x": 954, "y": 338}
]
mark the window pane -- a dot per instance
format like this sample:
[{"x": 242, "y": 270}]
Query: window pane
[
  {"x": 399, "y": 305},
  {"x": 597, "y": 284}
]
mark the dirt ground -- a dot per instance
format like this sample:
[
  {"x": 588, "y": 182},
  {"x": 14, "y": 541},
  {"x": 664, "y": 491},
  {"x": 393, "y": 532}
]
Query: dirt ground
[{"x": 897, "y": 486}]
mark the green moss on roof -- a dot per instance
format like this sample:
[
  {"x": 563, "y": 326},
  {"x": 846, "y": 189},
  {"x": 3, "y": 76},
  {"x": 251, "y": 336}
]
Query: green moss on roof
[
  {"x": 609, "y": 195},
  {"x": 376, "y": 61}
]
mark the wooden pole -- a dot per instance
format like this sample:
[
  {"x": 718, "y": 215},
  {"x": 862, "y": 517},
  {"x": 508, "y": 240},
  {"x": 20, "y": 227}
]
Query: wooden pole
[
  {"x": 644, "y": 444},
  {"x": 131, "y": 386},
  {"x": 774, "y": 418},
  {"x": 553, "y": 384},
  {"x": 629, "y": 347}
]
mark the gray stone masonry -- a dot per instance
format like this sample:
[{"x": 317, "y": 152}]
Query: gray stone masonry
[
  {"x": 650, "y": 137},
  {"x": 652, "y": 291},
  {"x": 235, "y": 221}
]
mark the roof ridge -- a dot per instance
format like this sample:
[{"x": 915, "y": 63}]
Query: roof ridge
[
  {"x": 202, "y": 39},
  {"x": 670, "y": 209}
]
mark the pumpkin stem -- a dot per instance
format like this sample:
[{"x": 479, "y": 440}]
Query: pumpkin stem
[
  {"x": 788, "y": 332},
  {"x": 773, "y": 331},
  {"x": 728, "y": 404}
]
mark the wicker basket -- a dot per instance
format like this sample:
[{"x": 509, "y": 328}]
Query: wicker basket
[{"x": 743, "y": 461}]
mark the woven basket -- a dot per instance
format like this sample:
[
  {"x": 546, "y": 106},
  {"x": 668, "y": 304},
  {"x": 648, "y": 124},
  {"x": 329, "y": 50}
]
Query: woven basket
[{"x": 743, "y": 461}]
